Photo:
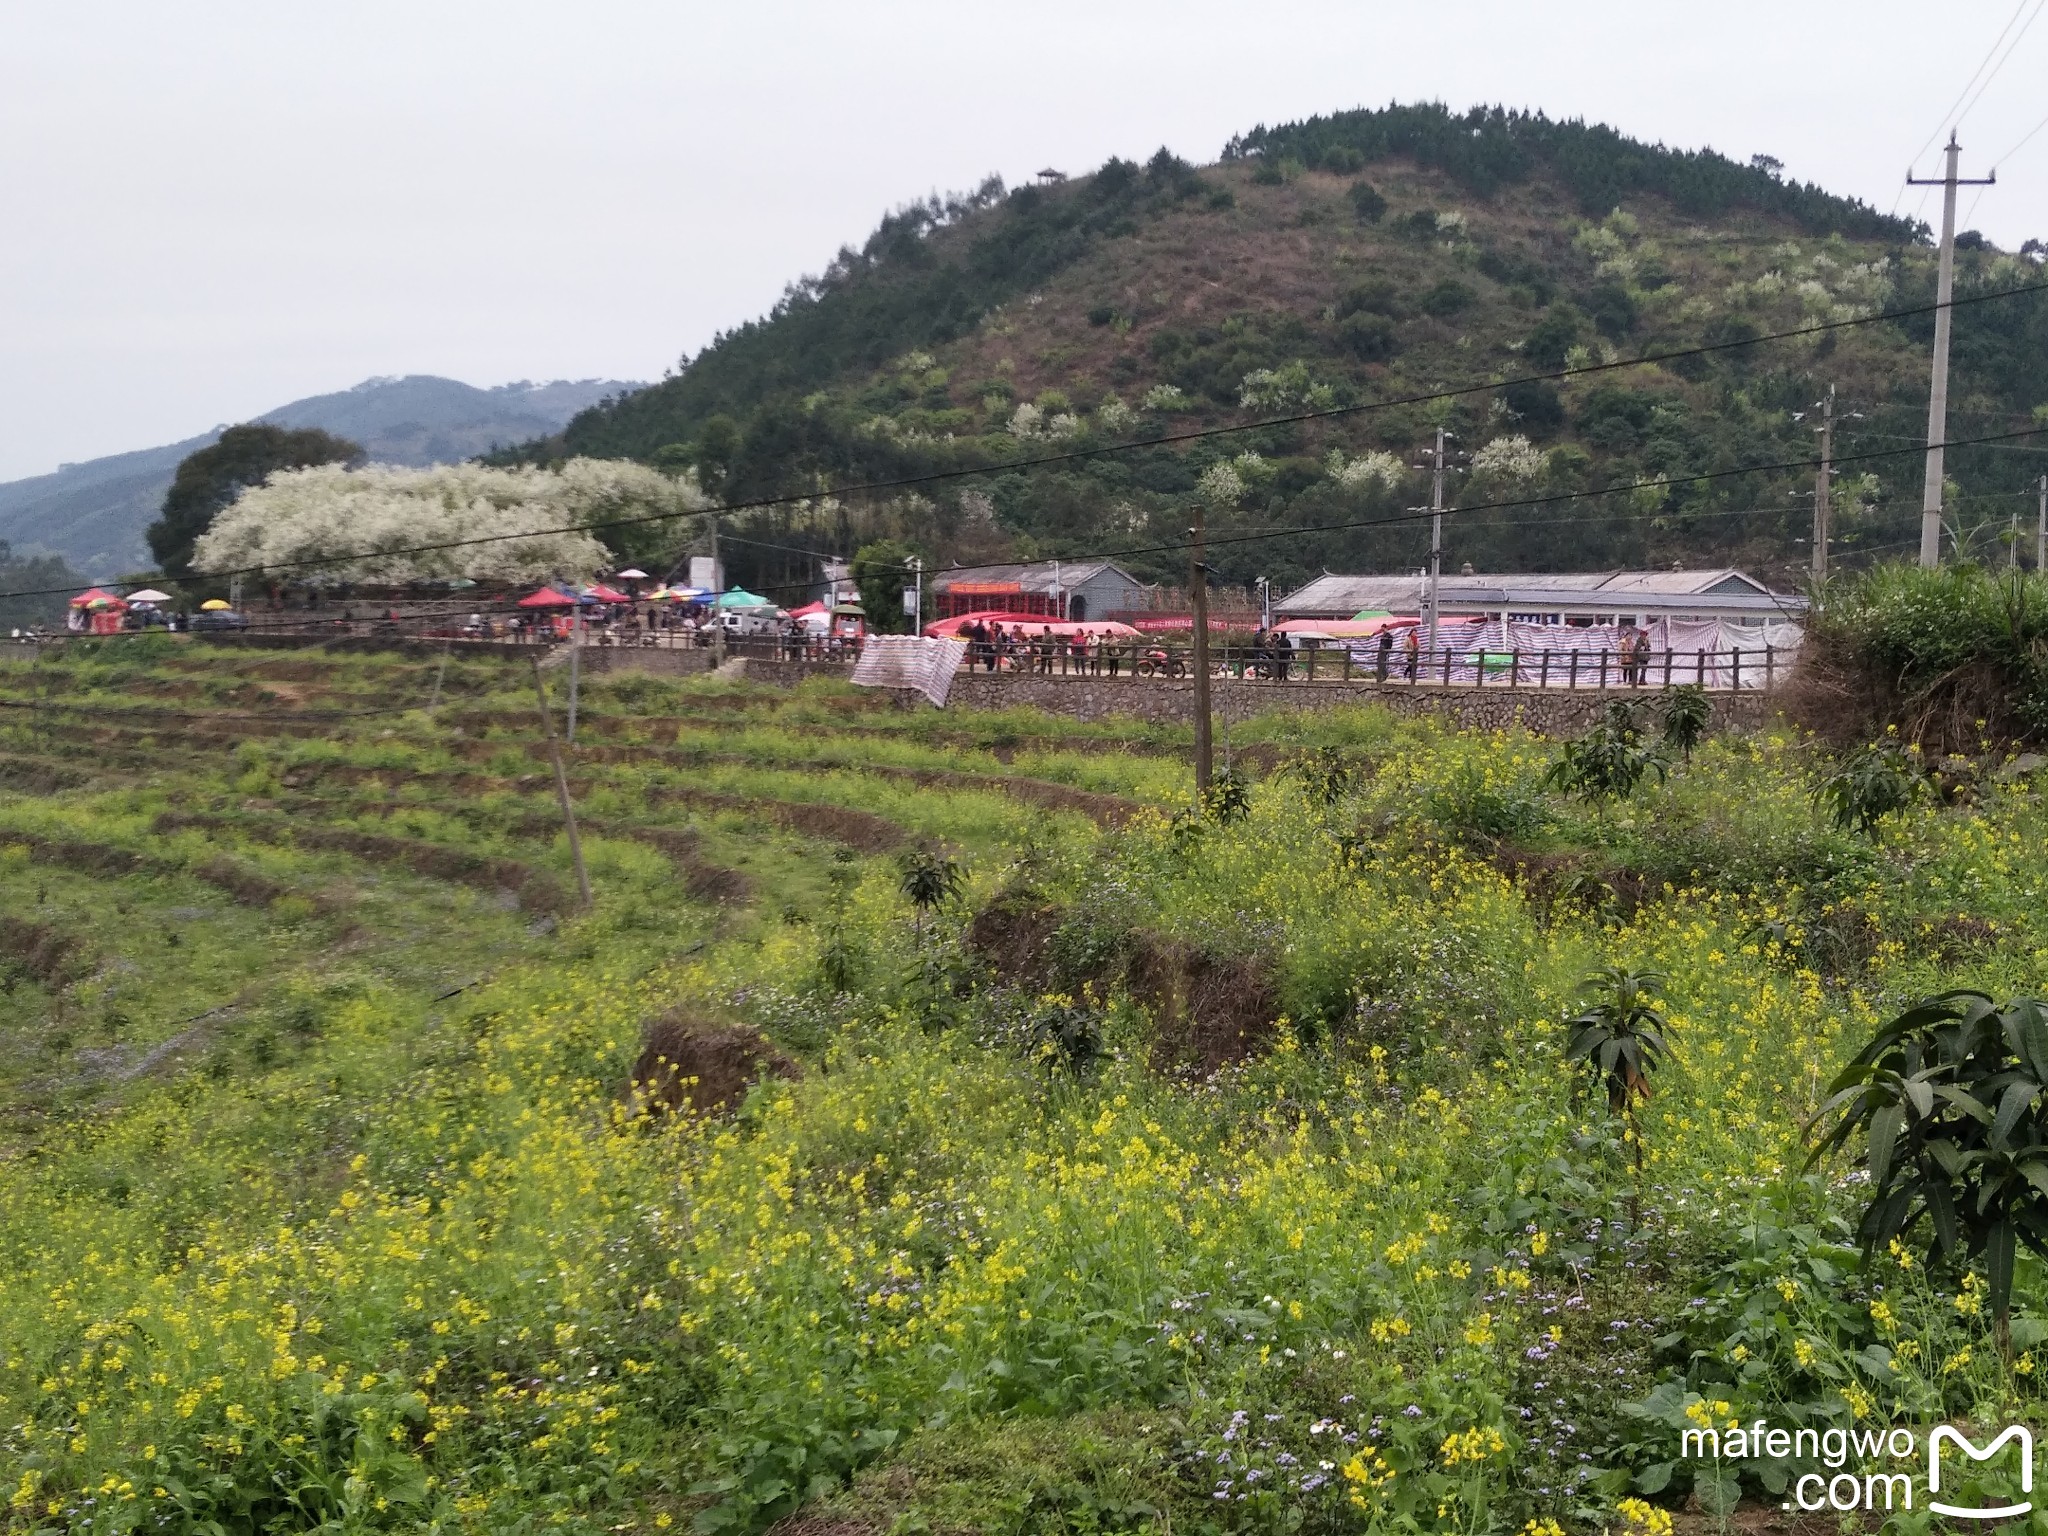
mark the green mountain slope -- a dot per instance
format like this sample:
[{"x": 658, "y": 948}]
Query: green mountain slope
[{"x": 1344, "y": 261}]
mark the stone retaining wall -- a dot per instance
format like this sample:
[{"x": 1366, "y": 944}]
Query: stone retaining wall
[{"x": 1550, "y": 712}]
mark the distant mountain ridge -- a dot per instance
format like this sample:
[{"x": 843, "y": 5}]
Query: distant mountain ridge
[{"x": 93, "y": 513}]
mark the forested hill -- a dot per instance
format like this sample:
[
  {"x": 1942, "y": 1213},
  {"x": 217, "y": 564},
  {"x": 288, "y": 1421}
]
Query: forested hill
[{"x": 1348, "y": 260}]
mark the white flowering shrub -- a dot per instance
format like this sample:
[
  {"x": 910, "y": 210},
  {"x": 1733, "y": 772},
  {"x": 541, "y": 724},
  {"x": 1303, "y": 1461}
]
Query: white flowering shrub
[
  {"x": 1368, "y": 469},
  {"x": 1063, "y": 425},
  {"x": 1221, "y": 485},
  {"x": 1026, "y": 422},
  {"x": 1113, "y": 415},
  {"x": 1512, "y": 457},
  {"x": 364, "y": 524},
  {"x": 1166, "y": 397},
  {"x": 1284, "y": 389}
]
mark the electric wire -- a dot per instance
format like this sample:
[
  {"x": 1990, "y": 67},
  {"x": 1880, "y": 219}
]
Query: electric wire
[{"x": 1077, "y": 455}]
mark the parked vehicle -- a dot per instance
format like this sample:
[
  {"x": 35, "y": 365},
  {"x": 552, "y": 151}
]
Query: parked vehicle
[{"x": 219, "y": 619}]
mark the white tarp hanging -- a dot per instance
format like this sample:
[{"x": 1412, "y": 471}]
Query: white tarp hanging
[
  {"x": 909, "y": 661},
  {"x": 1703, "y": 651}
]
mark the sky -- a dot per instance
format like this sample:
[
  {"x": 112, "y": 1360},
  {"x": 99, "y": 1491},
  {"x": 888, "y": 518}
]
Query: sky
[{"x": 213, "y": 207}]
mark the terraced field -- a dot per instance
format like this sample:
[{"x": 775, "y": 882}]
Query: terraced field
[{"x": 934, "y": 1122}]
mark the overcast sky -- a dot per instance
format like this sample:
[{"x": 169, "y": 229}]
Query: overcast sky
[{"x": 213, "y": 208}]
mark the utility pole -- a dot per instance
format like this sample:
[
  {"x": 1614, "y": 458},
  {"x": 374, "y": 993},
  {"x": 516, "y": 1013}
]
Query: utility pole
[
  {"x": 717, "y": 592},
  {"x": 575, "y": 665},
  {"x": 1937, "y": 395},
  {"x": 1821, "y": 506},
  {"x": 917, "y": 594},
  {"x": 1436, "y": 533},
  {"x": 2041, "y": 532},
  {"x": 1198, "y": 589}
]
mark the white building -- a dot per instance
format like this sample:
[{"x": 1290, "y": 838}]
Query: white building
[{"x": 1575, "y": 598}]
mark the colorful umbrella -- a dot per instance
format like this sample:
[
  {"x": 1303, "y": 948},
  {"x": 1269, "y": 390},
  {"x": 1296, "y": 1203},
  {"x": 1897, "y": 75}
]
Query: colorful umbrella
[
  {"x": 547, "y": 597},
  {"x": 213, "y": 605},
  {"x": 629, "y": 574},
  {"x": 149, "y": 595}
]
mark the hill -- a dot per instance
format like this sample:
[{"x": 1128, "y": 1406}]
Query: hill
[
  {"x": 1348, "y": 260},
  {"x": 93, "y": 513}
]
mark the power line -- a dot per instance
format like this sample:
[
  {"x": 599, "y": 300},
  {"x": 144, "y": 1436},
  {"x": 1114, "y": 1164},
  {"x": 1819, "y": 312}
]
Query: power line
[
  {"x": 1967, "y": 84},
  {"x": 1077, "y": 455},
  {"x": 2003, "y": 60},
  {"x": 1540, "y": 501}
]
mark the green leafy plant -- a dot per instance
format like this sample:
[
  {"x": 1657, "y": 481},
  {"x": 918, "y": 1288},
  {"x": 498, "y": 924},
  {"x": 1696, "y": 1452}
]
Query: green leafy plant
[
  {"x": 1878, "y": 780},
  {"x": 1621, "y": 1036},
  {"x": 1228, "y": 798},
  {"x": 1687, "y": 713},
  {"x": 1325, "y": 773},
  {"x": 1610, "y": 761},
  {"x": 1945, "y": 1102},
  {"x": 929, "y": 880}
]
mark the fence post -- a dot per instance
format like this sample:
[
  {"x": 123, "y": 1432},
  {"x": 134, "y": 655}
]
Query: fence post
[
  {"x": 1770, "y": 668},
  {"x": 1312, "y": 663},
  {"x": 1572, "y": 682},
  {"x": 1603, "y": 671},
  {"x": 1702, "y": 678},
  {"x": 1347, "y": 663},
  {"x": 1735, "y": 669},
  {"x": 1543, "y": 672},
  {"x": 1667, "y": 666},
  {"x": 1514, "y": 669},
  {"x": 1447, "y": 666}
]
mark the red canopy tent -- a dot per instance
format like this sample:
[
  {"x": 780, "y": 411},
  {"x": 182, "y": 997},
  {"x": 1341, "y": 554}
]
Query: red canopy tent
[
  {"x": 96, "y": 596},
  {"x": 605, "y": 594},
  {"x": 547, "y": 597},
  {"x": 1028, "y": 623},
  {"x": 807, "y": 610}
]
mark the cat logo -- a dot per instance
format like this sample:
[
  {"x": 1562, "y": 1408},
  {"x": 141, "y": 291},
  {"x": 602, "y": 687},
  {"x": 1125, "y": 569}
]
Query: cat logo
[{"x": 1963, "y": 1512}]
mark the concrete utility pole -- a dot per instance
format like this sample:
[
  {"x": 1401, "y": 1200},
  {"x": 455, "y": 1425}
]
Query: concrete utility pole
[
  {"x": 717, "y": 591},
  {"x": 1937, "y": 397},
  {"x": 2041, "y": 531},
  {"x": 1436, "y": 533},
  {"x": 1821, "y": 506},
  {"x": 1198, "y": 590},
  {"x": 575, "y": 666}
]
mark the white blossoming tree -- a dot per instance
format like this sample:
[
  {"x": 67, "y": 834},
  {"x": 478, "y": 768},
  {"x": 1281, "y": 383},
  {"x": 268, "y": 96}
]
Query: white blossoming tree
[
  {"x": 1512, "y": 459},
  {"x": 515, "y": 525},
  {"x": 1377, "y": 468},
  {"x": 1221, "y": 485},
  {"x": 1283, "y": 389}
]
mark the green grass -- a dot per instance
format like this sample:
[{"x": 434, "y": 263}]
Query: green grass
[{"x": 335, "y": 1209}]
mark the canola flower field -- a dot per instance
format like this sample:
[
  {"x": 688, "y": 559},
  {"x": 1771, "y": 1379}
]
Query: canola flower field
[{"x": 1159, "y": 1172}]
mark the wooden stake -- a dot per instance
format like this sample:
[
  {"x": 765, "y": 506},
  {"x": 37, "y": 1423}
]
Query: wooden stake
[
  {"x": 547, "y": 725},
  {"x": 1198, "y": 589}
]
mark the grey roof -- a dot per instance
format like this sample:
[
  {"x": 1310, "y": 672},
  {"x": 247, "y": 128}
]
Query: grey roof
[
  {"x": 1038, "y": 576},
  {"x": 1725, "y": 591}
]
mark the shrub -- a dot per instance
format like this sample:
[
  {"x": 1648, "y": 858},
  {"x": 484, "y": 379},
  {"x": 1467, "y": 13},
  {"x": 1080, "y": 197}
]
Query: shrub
[
  {"x": 1879, "y": 780},
  {"x": 1687, "y": 713},
  {"x": 1447, "y": 297},
  {"x": 1536, "y": 404},
  {"x": 1610, "y": 761},
  {"x": 1368, "y": 337},
  {"x": 1553, "y": 337},
  {"x": 1367, "y": 203},
  {"x": 1953, "y": 658},
  {"x": 1946, "y": 1104}
]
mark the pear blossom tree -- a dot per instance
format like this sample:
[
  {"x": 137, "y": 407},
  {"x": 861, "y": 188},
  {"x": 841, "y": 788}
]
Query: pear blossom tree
[{"x": 525, "y": 524}]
